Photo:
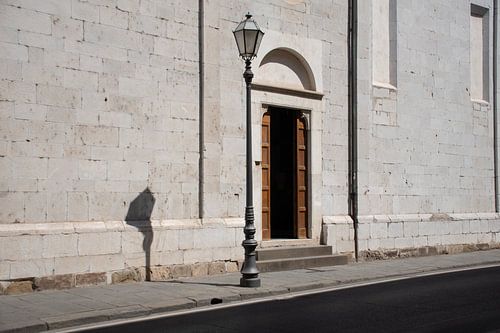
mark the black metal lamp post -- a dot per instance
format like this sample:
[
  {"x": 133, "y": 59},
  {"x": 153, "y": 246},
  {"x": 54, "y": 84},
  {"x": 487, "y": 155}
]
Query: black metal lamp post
[{"x": 248, "y": 37}]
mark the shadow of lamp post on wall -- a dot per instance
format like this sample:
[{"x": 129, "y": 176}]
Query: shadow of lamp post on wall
[
  {"x": 248, "y": 37},
  {"x": 139, "y": 216}
]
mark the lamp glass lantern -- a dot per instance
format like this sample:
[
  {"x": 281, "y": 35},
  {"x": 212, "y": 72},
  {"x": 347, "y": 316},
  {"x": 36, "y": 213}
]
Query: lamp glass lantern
[{"x": 248, "y": 37}]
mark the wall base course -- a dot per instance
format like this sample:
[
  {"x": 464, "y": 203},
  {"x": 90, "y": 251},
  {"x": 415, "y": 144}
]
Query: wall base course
[
  {"x": 121, "y": 251},
  {"x": 370, "y": 255},
  {"x": 19, "y": 288},
  {"x": 63, "y": 281},
  {"x": 128, "y": 275},
  {"x": 90, "y": 279},
  {"x": 386, "y": 233}
]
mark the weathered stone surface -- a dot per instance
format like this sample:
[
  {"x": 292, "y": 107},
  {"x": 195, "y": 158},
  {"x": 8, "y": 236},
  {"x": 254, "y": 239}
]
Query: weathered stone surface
[
  {"x": 99, "y": 243},
  {"x": 161, "y": 273},
  {"x": 18, "y": 287},
  {"x": 129, "y": 275},
  {"x": 181, "y": 271},
  {"x": 216, "y": 268},
  {"x": 232, "y": 266},
  {"x": 200, "y": 269},
  {"x": 63, "y": 281},
  {"x": 87, "y": 279}
]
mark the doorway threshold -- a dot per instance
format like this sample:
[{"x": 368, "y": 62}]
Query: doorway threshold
[{"x": 287, "y": 242}]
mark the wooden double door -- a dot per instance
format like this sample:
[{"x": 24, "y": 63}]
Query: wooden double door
[{"x": 284, "y": 174}]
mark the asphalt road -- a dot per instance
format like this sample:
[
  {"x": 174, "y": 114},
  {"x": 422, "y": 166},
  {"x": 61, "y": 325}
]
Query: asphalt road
[{"x": 466, "y": 301}]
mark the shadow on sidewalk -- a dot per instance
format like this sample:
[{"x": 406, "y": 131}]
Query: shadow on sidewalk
[{"x": 139, "y": 216}]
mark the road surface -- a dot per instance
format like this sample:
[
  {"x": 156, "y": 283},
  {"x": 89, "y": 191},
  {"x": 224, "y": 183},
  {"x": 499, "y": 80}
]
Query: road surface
[{"x": 467, "y": 301}]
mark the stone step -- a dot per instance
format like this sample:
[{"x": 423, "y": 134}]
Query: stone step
[
  {"x": 293, "y": 252},
  {"x": 276, "y": 265}
]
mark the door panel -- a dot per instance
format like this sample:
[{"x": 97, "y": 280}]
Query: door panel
[
  {"x": 290, "y": 160},
  {"x": 301, "y": 178},
  {"x": 266, "y": 176}
]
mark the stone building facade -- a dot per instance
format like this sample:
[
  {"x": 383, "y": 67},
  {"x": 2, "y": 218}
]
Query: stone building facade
[{"x": 122, "y": 133}]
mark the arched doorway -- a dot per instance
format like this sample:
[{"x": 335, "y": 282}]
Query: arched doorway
[
  {"x": 284, "y": 174},
  {"x": 290, "y": 141}
]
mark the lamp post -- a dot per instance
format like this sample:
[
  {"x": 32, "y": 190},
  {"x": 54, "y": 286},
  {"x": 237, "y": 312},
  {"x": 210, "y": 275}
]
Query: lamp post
[{"x": 248, "y": 37}]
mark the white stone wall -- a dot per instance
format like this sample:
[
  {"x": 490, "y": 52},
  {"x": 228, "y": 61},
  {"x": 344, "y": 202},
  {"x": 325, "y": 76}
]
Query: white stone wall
[
  {"x": 338, "y": 232},
  {"x": 417, "y": 231},
  {"x": 307, "y": 27},
  {"x": 412, "y": 234},
  {"x": 335, "y": 125},
  {"x": 425, "y": 146},
  {"x": 38, "y": 250},
  {"x": 97, "y": 104},
  {"x": 311, "y": 21}
]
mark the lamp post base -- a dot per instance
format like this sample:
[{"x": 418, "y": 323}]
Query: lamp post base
[{"x": 250, "y": 283}]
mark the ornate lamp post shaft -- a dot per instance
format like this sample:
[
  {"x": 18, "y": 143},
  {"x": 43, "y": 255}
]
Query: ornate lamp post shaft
[
  {"x": 248, "y": 37},
  {"x": 250, "y": 273}
]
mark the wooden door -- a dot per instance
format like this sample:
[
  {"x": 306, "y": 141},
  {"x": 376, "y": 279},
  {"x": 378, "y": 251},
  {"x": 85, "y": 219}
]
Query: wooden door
[
  {"x": 301, "y": 213},
  {"x": 266, "y": 176}
]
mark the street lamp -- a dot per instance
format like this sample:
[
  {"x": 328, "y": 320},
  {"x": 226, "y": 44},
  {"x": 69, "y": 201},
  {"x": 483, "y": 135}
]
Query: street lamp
[{"x": 248, "y": 37}]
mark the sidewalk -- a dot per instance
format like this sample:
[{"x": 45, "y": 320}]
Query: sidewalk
[{"x": 45, "y": 310}]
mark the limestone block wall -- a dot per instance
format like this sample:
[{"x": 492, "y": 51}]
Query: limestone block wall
[
  {"x": 426, "y": 169},
  {"x": 338, "y": 232},
  {"x": 386, "y": 236},
  {"x": 425, "y": 145},
  {"x": 99, "y": 129},
  {"x": 97, "y": 105},
  {"x": 104, "y": 252},
  {"x": 316, "y": 22},
  {"x": 334, "y": 130}
]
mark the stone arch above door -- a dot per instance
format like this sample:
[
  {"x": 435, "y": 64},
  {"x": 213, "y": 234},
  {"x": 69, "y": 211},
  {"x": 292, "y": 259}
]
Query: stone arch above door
[{"x": 285, "y": 68}]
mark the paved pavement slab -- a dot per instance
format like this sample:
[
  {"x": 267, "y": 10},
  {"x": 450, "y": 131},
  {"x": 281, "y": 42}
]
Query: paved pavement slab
[{"x": 41, "y": 311}]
